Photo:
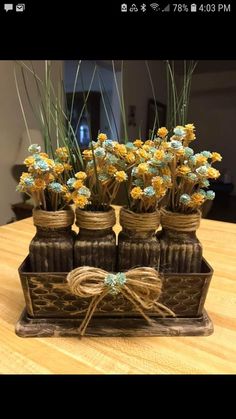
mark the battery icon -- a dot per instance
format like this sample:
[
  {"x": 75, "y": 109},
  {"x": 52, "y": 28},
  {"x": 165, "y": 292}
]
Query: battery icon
[{"x": 193, "y": 7}]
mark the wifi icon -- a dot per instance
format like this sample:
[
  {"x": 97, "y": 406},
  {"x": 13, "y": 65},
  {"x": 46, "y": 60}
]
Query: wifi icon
[{"x": 155, "y": 6}]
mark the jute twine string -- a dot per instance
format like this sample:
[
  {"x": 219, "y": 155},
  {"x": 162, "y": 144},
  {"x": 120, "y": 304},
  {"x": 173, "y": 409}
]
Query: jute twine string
[
  {"x": 140, "y": 286},
  {"x": 95, "y": 220},
  {"x": 180, "y": 222},
  {"x": 53, "y": 219},
  {"x": 139, "y": 222}
]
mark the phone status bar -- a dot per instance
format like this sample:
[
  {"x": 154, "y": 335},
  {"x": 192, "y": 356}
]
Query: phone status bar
[{"x": 183, "y": 8}]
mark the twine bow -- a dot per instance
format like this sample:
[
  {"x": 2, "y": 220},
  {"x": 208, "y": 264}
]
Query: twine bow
[{"x": 140, "y": 286}]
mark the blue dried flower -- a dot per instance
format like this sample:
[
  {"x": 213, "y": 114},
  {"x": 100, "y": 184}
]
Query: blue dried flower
[
  {"x": 84, "y": 191},
  {"x": 99, "y": 152},
  {"x": 41, "y": 165},
  {"x": 114, "y": 282},
  {"x": 29, "y": 181},
  {"x": 168, "y": 157},
  {"x": 111, "y": 159},
  {"x": 55, "y": 187},
  {"x": 179, "y": 131},
  {"x": 130, "y": 146},
  {"x": 176, "y": 145},
  {"x": 192, "y": 177},
  {"x": 34, "y": 148},
  {"x": 188, "y": 151},
  {"x": 134, "y": 172},
  {"x": 192, "y": 160},
  {"x": 149, "y": 191},
  {"x": 153, "y": 170},
  {"x": 202, "y": 170},
  {"x": 202, "y": 192},
  {"x": 71, "y": 182},
  {"x": 103, "y": 177},
  {"x": 185, "y": 199},
  {"x": 206, "y": 154},
  {"x": 205, "y": 183},
  {"x": 138, "y": 182},
  {"x": 108, "y": 143},
  {"x": 210, "y": 195}
]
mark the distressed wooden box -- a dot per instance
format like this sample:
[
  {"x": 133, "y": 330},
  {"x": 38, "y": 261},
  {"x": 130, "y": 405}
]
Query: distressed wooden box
[
  {"x": 50, "y": 306},
  {"x": 47, "y": 294}
]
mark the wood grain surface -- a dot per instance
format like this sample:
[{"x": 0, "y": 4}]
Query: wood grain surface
[{"x": 141, "y": 355}]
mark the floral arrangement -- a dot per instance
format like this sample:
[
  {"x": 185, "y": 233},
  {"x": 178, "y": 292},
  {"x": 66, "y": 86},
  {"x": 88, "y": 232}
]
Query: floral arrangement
[
  {"x": 106, "y": 165},
  {"x": 45, "y": 180},
  {"x": 189, "y": 172},
  {"x": 150, "y": 176}
]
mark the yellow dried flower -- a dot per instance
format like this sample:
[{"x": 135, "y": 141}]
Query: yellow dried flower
[
  {"x": 81, "y": 175},
  {"x": 165, "y": 145},
  {"x": 87, "y": 154},
  {"x": 48, "y": 177},
  {"x": 149, "y": 143},
  {"x": 50, "y": 163},
  {"x": 159, "y": 154},
  {"x": 80, "y": 201},
  {"x": 62, "y": 153},
  {"x": 201, "y": 160},
  {"x": 146, "y": 147},
  {"x": 166, "y": 171},
  {"x": 44, "y": 155},
  {"x": 157, "y": 182},
  {"x": 111, "y": 169},
  {"x": 78, "y": 184},
  {"x": 67, "y": 197},
  {"x": 136, "y": 192},
  {"x": 102, "y": 137},
  {"x": 64, "y": 189},
  {"x": 59, "y": 168},
  {"x": 216, "y": 156},
  {"x": 142, "y": 168},
  {"x": 180, "y": 152},
  {"x": 138, "y": 143},
  {"x": 29, "y": 161},
  {"x": 67, "y": 167},
  {"x": 39, "y": 184},
  {"x": 213, "y": 173},
  {"x": 183, "y": 170},
  {"x": 162, "y": 132},
  {"x": 120, "y": 176},
  {"x": 197, "y": 199},
  {"x": 120, "y": 149},
  {"x": 142, "y": 153},
  {"x": 130, "y": 157}
]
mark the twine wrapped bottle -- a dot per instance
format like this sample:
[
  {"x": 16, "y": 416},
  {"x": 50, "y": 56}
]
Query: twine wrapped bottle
[
  {"x": 95, "y": 244},
  {"x": 137, "y": 242},
  {"x": 51, "y": 249},
  {"x": 181, "y": 251}
]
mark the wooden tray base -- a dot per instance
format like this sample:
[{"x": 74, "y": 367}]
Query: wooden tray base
[{"x": 110, "y": 327}]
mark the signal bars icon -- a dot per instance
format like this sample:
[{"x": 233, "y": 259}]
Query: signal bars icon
[{"x": 166, "y": 9}]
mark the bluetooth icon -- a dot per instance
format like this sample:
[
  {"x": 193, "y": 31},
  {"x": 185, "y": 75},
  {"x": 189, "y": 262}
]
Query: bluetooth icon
[{"x": 143, "y": 7}]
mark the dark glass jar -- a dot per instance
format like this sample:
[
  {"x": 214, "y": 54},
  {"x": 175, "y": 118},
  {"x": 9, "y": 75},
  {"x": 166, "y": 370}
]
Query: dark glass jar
[
  {"x": 137, "y": 242},
  {"x": 51, "y": 249},
  {"x": 95, "y": 243},
  {"x": 181, "y": 251}
]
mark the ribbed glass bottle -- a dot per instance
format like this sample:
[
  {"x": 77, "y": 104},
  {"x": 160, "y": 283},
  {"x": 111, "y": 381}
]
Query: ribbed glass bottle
[{"x": 51, "y": 249}]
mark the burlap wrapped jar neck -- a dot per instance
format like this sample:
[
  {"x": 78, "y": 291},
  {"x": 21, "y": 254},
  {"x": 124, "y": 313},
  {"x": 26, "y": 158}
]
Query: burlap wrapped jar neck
[
  {"x": 53, "y": 219},
  {"x": 180, "y": 222},
  {"x": 139, "y": 221},
  {"x": 95, "y": 220}
]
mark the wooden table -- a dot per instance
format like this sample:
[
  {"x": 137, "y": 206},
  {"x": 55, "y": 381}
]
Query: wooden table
[{"x": 188, "y": 355}]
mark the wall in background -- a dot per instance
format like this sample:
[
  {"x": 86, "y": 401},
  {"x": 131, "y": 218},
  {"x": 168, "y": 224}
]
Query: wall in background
[
  {"x": 138, "y": 91},
  {"x": 213, "y": 110},
  {"x": 11, "y": 129},
  {"x": 84, "y": 82}
]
